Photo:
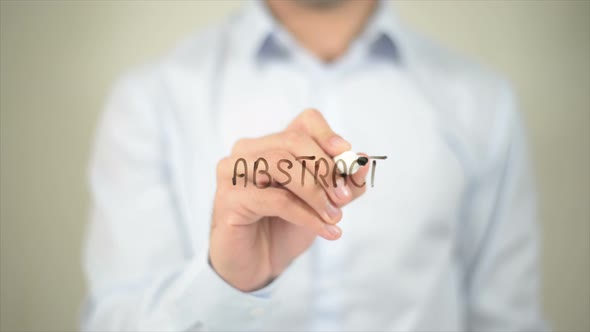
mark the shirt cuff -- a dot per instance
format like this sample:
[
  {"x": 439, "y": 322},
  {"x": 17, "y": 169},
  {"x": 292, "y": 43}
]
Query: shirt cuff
[
  {"x": 263, "y": 293},
  {"x": 203, "y": 300}
]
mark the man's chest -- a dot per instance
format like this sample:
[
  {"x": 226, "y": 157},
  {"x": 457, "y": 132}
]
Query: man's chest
[{"x": 401, "y": 234}]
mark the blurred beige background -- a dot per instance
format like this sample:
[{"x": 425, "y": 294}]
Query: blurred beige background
[{"x": 59, "y": 59}]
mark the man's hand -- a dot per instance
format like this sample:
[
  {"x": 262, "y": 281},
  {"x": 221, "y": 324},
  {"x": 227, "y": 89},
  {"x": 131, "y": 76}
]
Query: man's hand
[{"x": 256, "y": 233}]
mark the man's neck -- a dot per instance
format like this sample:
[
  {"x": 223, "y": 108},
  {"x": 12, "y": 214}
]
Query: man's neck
[{"x": 326, "y": 31}]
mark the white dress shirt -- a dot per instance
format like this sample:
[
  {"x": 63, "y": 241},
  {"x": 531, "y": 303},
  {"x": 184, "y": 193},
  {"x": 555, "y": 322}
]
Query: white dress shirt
[{"x": 445, "y": 240}]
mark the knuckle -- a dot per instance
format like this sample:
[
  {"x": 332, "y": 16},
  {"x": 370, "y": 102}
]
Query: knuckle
[
  {"x": 221, "y": 166},
  {"x": 240, "y": 145},
  {"x": 292, "y": 139},
  {"x": 225, "y": 168},
  {"x": 310, "y": 113},
  {"x": 276, "y": 155},
  {"x": 308, "y": 117}
]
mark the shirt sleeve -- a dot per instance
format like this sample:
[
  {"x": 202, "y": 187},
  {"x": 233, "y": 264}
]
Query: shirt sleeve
[
  {"x": 502, "y": 276},
  {"x": 140, "y": 275}
]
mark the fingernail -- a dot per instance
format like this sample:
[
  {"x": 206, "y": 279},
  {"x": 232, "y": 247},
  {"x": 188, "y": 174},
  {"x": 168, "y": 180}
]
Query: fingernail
[
  {"x": 342, "y": 191},
  {"x": 338, "y": 142},
  {"x": 332, "y": 230},
  {"x": 332, "y": 211}
]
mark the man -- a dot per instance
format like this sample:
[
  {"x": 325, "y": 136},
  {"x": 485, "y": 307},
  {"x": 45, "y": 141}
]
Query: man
[{"x": 183, "y": 238}]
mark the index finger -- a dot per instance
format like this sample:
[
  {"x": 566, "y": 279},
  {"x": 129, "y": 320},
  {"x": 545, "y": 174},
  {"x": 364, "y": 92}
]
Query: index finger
[{"x": 313, "y": 123}]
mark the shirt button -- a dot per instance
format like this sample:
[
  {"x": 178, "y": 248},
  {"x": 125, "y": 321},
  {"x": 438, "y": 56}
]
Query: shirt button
[{"x": 258, "y": 311}]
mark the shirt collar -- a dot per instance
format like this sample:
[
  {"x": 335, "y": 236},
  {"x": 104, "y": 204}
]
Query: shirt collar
[
  {"x": 266, "y": 39},
  {"x": 381, "y": 33}
]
